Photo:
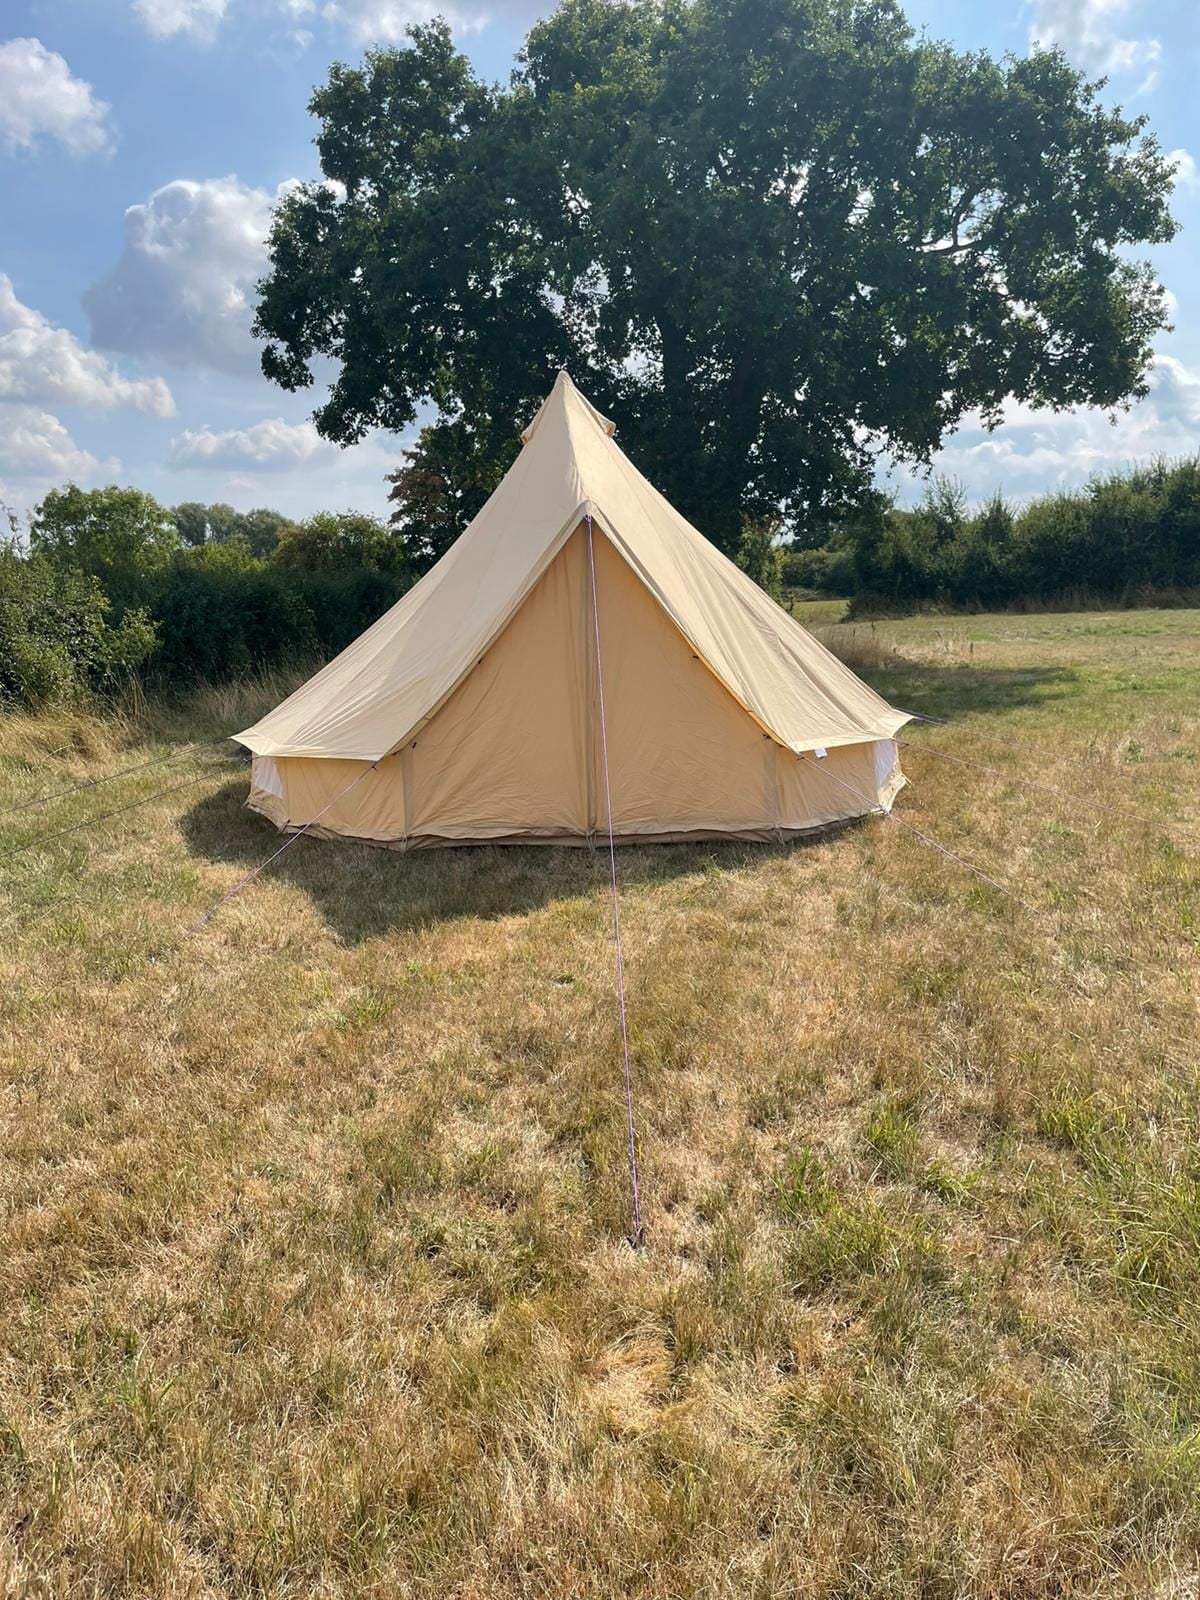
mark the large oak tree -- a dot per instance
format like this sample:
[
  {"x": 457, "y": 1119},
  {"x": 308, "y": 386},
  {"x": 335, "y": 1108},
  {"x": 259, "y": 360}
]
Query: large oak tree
[{"x": 773, "y": 236}]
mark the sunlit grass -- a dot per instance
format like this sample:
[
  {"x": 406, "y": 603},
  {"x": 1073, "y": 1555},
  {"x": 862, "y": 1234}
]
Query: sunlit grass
[{"x": 313, "y": 1263}]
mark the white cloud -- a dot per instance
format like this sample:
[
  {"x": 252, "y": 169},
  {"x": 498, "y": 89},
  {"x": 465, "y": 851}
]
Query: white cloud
[
  {"x": 183, "y": 288},
  {"x": 48, "y": 365},
  {"x": 1175, "y": 392},
  {"x": 35, "y": 446},
  {"x": 40, "y": 99},
  {"x": 386, "y": 21},
  {"x": 1088, "y": 31},
  {"x": 272, "y": 446},
  {"x": 366, "y": 21},
  {"x": 1186, "y": 176},
  {"x": 1035, "y": 452},
  {"x": 194, "y": 19}
]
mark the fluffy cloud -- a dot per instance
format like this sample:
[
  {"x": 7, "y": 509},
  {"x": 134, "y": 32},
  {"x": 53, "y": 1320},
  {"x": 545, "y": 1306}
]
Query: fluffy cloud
[
  {"x": 40, "y": 99},
  {"x": 273, "y": 446},
  {"x": 385, "y": 21},
  {"x": 183, "y": 288},
  {"x": 48, "y": 365},
  {"x": 1088, "y": 30},
  {"x": 1033, "y": 452},
  {"x": 365, "y": 21},
  {"x": 1175, "y": 392},
  {"x": 41, "y": 364},
  {"x": 34, "y": 446},
  {"x": 1186, "y": 176},
  {"x": 194, "y": 19}
]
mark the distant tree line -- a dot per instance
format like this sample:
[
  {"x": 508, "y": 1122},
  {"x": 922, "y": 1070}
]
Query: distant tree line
[
  {"x": 109, "y": 582},
  {"x": 106, "y": 582},
  {"x": 1127, "y": 538}
]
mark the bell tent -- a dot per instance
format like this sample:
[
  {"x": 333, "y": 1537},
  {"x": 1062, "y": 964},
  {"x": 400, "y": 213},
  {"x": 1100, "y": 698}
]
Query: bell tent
[{"x": 580, "y": 639}]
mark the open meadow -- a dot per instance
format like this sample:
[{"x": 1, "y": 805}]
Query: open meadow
[{"x": 313, "y": 1272}]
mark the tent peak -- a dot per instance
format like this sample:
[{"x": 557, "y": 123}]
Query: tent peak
[{"x": 566, "y": 396}]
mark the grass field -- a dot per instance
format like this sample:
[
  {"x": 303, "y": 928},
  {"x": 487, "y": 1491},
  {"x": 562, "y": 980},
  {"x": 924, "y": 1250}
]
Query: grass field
[{"x": 313, "y": 1278}]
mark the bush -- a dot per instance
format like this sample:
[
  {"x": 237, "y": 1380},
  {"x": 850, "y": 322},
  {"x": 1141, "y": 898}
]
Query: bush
[
  {"x": 341, "y": 539},
  {"x": 116, "y": 535},
  {"x": 201, "y": 592},
  {"x": 56, "y": 642},
  {"x": 218, "y": 621},
  {"x": 828, "y": 571},
  {"x": 1122, "y": 538},
  {"x": 760, "y": 557}
]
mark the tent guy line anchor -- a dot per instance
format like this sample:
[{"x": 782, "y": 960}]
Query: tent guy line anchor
[{"x": 637, "y": 1238}]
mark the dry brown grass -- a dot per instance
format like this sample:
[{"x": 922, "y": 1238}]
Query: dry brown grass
[{"x": 313, "y": 1270}]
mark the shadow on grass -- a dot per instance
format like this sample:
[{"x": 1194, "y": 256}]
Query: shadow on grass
[
  {"x": 363, "y": 891},
  {"x": 962, "y": 690}
]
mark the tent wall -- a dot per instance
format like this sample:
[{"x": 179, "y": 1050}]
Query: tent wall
[
  {"x": 510, "y": 747},
  {"x": 683, "y": 756},
  {"x": 514, "y": 752}
]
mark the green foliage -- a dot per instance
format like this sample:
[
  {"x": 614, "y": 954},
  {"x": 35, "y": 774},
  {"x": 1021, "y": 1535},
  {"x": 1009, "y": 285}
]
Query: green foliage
[
  {"x": 340, "y": 539},
  {"x": 262, "y": 529},
  {"x": 224, "y": 523},
  {"x": 116, "y": 535},
  {"x": 218, "y": 619},
  {"x": 235, "y": 555},
  {"x": 258, "y": 530},
  {"x": 114, "y": 582},
  {"x": 759, "y": 555},
  {"x": 56, "y": 642},
  {"x": 191, "y": 518},
  {"x": 1124, "y": 536},
  {"x": 772, "y": 237},
  {"x": 826, "y": 571},
  {"x": 445, "y": 480}
]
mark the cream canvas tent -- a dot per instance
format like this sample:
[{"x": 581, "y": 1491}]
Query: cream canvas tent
[{"x": 478, "y": 694}]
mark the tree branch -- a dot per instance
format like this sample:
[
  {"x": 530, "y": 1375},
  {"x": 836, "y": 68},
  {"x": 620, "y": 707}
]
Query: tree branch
[{"x": 956, "y": 245}]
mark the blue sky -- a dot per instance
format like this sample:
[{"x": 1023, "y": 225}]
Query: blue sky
[{"x": 142, "y": 143}]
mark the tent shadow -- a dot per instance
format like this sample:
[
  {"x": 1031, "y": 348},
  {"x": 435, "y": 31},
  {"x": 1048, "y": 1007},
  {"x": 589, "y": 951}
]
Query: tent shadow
[
  {"x": 963, "y": 690},
  {"x": 364, "y": 892}
]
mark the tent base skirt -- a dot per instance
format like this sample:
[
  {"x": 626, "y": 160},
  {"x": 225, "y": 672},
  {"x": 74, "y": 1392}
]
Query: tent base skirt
[{"x": 597, "y": 840}]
